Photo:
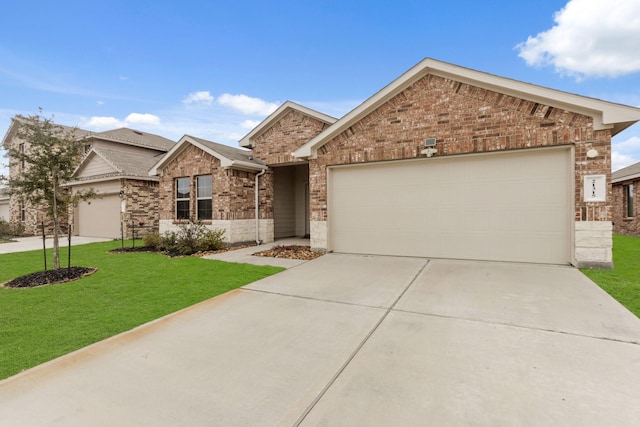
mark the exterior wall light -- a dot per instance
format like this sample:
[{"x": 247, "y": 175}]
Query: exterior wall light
[{"x": 429, "y": 147}]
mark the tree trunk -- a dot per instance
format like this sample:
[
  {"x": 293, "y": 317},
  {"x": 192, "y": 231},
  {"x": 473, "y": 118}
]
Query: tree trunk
[{"x": 56, "y": 258}]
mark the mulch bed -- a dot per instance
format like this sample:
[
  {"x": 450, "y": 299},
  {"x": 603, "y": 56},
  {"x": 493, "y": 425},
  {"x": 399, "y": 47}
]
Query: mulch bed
[
  {"x": 50, "y": 277},
  {"x": 290, "y": 252}
]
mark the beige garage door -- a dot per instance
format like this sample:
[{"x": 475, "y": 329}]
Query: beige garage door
[
  {"x": 100, "y": 217},
  {"x": 504, "y": 206}
]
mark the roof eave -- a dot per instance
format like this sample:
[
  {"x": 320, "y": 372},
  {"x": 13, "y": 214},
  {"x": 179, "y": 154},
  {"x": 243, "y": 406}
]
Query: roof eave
[
  {"x": 242, "y": 166},
  {"x": 631, "y": 177},
  {"x": 104, "y": 178}
]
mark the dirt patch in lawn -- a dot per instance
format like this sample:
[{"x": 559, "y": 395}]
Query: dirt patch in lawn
[
  {"x": 290, "y": 252},
  {"x": 49, "y": 277}
]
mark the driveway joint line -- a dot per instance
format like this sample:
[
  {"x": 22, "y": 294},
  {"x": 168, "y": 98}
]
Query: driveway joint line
[
  {"x": 314, "y": 299},
  {"x": 357, "y": 349},
  {"x": 531, "y": 328}
]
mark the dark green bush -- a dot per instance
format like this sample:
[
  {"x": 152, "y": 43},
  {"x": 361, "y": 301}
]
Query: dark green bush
[
  {"x": 191, "y": 237},
  {"x": 212, "y": 240},
  {"x": 8, "y": 230}
]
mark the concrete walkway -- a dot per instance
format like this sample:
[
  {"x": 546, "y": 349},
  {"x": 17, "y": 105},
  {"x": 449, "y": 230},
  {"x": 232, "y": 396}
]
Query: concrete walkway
[
  {"x": 348, "y": 340},
  {"x": 24, "y": 244},
  {"x": 245, "y": 255}
]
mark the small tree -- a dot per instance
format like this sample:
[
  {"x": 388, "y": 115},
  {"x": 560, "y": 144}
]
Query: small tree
[{"x": 50, "y": 158}]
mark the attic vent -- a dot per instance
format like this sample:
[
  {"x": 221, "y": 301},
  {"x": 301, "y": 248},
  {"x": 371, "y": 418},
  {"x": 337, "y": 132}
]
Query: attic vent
[{"x": 138, "y": 132}]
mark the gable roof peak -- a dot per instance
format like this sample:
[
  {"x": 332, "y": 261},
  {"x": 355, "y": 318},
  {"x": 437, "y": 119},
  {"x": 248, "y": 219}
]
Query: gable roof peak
[
  {"x": 606, "y": 115},
  {"x": 230, "y": 157},
  {"x": 278, "y": 114}
]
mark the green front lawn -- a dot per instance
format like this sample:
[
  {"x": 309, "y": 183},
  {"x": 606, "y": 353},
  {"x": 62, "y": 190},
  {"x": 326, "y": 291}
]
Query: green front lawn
[
  {"x": 129, "y": 289},
  {"x": 623, "y": 282}
]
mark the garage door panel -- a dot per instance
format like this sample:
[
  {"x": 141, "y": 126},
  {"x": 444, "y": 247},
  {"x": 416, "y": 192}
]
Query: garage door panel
[
  {"x": 100, "y": 217},
  {"x": 510, "y": 207}
]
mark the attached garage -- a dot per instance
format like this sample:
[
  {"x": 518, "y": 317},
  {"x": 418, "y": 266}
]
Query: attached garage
[
  {"x": 504, "y": 206},
  {"x": 99, "y": 217}
]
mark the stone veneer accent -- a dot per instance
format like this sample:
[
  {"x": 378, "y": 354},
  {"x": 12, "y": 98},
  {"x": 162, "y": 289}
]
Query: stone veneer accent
[
  {"x": 465, "y": 119},
  {"x": 319, "y": 235},
  {"x": 593, "y": 244},
  {"x": 235, "y": 231}
]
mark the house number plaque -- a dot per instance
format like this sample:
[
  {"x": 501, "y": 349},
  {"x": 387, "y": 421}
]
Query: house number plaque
[{"x": 595, "y": 188}]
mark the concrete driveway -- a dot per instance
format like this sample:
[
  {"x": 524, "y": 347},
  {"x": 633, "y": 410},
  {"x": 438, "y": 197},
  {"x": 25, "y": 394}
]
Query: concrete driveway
[
  {"x": 23, "y": 244},
  {"x": 349, "y": 340}
]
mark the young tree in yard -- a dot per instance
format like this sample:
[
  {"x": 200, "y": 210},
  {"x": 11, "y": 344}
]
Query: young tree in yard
[{"x": 50, "y": 155}]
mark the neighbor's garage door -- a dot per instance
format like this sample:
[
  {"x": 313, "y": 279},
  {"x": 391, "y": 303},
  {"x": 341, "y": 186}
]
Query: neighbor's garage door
[
  {"x": 100, "y": 217},
  {"x": 503, "y": 206}
]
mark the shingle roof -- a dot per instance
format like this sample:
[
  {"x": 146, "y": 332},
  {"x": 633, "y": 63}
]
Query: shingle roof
[
  {"x": 629, "y": 172},
  {"x": 80, "y": 133},
  {"x": 131, "y": 164},
  {"x": 135, "y": 137},
  {"x": 231, "y": 153},
  {"x": 230, "y": 157}
]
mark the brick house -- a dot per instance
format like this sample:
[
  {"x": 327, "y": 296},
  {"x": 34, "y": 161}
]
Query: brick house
[
  {"x": 116, "y": 166},
  {"x": 444, "y": 161},
  {"x": 625, "y": 191},
  {"x": 22, "y": 211}
]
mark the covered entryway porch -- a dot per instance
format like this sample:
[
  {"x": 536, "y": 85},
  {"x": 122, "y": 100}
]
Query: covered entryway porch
[{"x": 291, "y": 201}]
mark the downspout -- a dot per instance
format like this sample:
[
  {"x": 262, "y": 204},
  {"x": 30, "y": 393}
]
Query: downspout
[{"x": 258, "y": 175}]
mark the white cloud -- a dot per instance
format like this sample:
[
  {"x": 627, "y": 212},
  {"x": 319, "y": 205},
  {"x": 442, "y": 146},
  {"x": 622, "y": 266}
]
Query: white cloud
[
  {"x": 201, "y": 97},
  {"x": 100, "y": 102},
  {"x": 247, "y": 105},
  {"x": 102, "y": 123},
  {"x": 625, "y": 153},
  {"x": 591, "y": 38},
  {"x": 144, "y": 119},
  {"x": 250, "y": 124}
]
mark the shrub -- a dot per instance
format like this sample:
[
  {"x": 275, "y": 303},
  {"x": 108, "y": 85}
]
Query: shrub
[
  {"x": 8, "y": 229},
  {"x": 189, "y": 235},
  {"x": 151, "y": 240},
  {"x": 168, "y": 241},
  {"x": 212, "y": 240}
]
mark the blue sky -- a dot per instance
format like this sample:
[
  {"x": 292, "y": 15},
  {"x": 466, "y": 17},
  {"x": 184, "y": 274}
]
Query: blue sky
[{"x": 214, "y": 69}]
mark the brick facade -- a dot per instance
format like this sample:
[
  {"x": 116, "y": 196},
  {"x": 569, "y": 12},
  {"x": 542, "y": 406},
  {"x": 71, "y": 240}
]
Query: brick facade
[
  {"x": 275, "y": 145},
  {"x": 232, "y": 197},
  {"x": 141, "y": 199},
  {"x": 34, "y": 215},
  {"x": 621, "y": 223}
]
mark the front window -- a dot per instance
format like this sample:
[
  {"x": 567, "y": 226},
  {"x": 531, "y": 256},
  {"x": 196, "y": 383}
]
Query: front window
[
  {"x": 21, "y": 149},
  {"x": 182, "y": 198},
  {"x": 628, "y": 198},
  {"x": 204, "y": 191}
]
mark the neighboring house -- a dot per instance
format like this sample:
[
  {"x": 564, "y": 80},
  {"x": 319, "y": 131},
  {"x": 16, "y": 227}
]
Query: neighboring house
[
  {"x": 443, "y": 162},
  {"x": 22, "y": 211},
  {"x": 116, "y": 166},
  {"x": 626, "y": 189},
  {"x": 4, "y": 205}
]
